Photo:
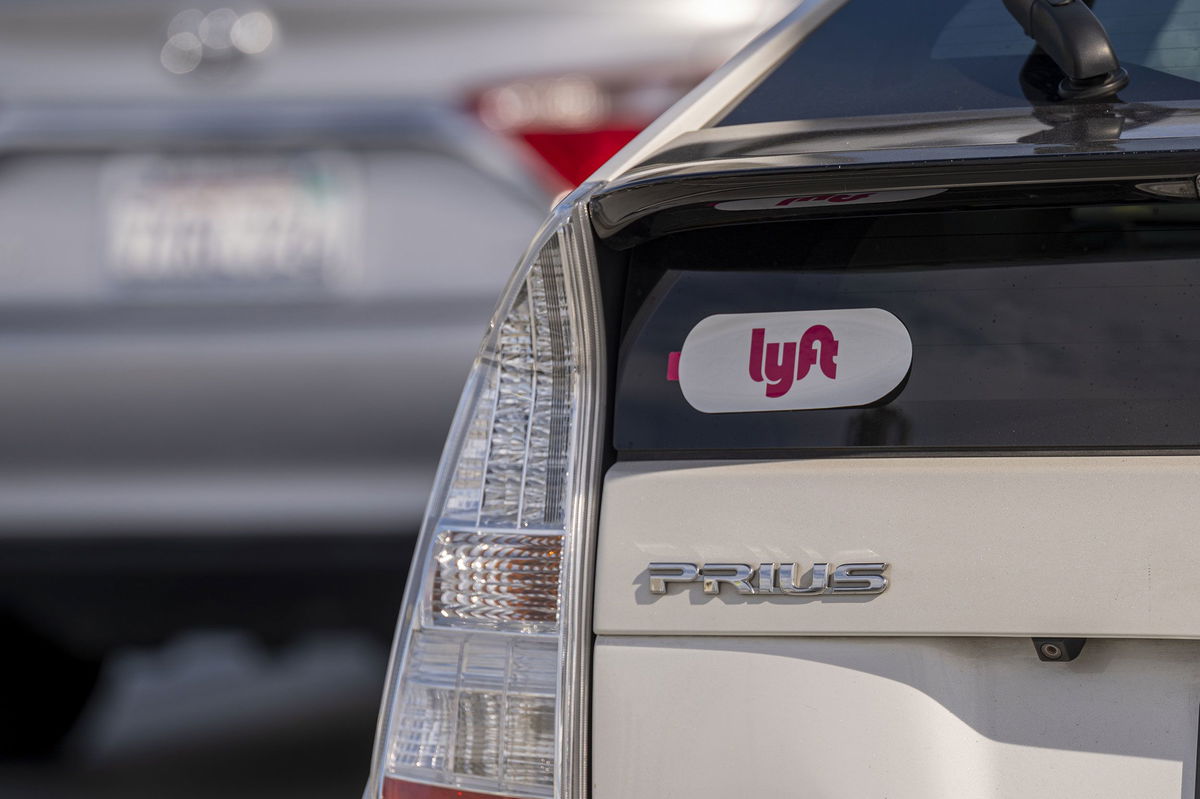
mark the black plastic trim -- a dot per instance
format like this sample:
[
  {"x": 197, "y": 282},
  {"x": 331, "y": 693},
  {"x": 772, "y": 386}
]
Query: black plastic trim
[
  {"x": 624, "y": 214},
  {"x": 892, "y": 452}
]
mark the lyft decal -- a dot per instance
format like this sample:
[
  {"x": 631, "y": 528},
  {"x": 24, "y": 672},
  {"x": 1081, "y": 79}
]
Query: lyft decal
[
  {"x": 797, "y": 360},
  {"x": 845, "y": 198},
  {"x": 783, "y": 361}
]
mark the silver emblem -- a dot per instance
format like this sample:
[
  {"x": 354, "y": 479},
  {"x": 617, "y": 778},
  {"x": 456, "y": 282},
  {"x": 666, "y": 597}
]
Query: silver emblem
[{"x": 783, "y": 579}]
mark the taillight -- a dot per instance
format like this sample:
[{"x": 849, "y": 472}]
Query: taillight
[
  {"x": 577, "y": 122},
  {"x": 487, "y": 687}
]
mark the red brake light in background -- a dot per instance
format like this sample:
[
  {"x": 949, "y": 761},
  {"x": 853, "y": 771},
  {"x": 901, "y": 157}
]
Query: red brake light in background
[
  {"x": 575, "y": 155},
  {"x": 575, "y": 123}
]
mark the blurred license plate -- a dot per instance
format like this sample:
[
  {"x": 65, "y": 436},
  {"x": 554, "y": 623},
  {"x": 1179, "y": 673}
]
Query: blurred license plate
[{"x": 230, "y": 221}]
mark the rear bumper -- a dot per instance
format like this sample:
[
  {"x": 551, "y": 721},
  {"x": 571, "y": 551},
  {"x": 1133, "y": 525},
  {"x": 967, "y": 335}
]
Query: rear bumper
[{"x": 272, "y": 480}]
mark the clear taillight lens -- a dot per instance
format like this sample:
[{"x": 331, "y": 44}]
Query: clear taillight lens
[
  {"x": 477, "y": 711},
  {"x": 487, "y": 683}
]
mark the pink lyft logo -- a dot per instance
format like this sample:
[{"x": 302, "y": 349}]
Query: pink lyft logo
[
  {"x": 798, "y": 360},
  {"x": 783, "y": 362}
]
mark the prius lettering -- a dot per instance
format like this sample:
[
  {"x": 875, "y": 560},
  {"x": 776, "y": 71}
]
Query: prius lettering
[
  {"x": 779, "y": 579},
  {"x": 778, "y": 364}
]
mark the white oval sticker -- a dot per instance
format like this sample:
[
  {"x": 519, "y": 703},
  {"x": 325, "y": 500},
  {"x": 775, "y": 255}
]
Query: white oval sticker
[{"x": 792, "y": 361}]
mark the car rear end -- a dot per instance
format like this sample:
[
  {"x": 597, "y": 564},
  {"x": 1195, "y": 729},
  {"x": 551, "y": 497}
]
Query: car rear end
[{"x": 826, "y": 451}]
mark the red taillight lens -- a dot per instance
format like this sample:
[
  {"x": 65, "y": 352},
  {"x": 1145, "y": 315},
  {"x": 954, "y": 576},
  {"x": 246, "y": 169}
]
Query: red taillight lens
[
  {"x": 575, "y": 123},
  {"x": 402, "y": 789}
]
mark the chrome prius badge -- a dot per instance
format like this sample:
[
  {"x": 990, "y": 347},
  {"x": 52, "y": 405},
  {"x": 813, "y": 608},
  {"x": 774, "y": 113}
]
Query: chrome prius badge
[
  {"x": 783, "y": 579},
  {"x": 795, "y": 360}
]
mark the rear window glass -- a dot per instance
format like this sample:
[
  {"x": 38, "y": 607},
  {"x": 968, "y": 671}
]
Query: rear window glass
[
  {"x": 1053, "y": 329},
  {"x": 875, "y": 57}
]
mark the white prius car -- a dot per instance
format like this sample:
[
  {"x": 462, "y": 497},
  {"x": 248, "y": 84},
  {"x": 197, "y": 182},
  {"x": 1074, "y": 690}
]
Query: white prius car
[{"x": 840, "y": 436}]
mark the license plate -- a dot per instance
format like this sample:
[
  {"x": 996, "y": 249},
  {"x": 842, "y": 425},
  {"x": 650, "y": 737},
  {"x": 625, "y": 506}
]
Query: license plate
[{"x": 209, "y": 221}]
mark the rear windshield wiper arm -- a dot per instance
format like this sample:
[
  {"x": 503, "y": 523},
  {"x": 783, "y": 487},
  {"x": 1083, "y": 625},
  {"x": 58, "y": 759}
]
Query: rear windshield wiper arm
[{"x": 1070, "y": 34}]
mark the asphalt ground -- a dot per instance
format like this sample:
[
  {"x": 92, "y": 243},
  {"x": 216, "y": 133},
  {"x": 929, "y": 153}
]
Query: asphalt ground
[{"x": 215, "y": 714}]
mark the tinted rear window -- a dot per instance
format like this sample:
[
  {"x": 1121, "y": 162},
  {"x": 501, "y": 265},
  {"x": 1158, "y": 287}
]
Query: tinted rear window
[
  {"x": 875, "y": 57},
  {"x": 1050, "y": 329}
]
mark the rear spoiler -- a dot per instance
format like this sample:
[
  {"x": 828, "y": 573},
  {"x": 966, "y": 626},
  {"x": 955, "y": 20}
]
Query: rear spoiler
[{"x": 746, "y": 174}]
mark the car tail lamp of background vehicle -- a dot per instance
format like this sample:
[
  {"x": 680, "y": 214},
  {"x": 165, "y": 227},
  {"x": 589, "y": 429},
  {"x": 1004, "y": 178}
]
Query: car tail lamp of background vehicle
[
  {"x": 487, "y": 689},
  {"x": 574, "y": 123}
]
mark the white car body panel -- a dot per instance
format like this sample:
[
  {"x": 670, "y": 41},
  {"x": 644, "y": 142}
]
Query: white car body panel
[
  {"x": 916, "y": 718},
  {"x": 976, "y": 546}
]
